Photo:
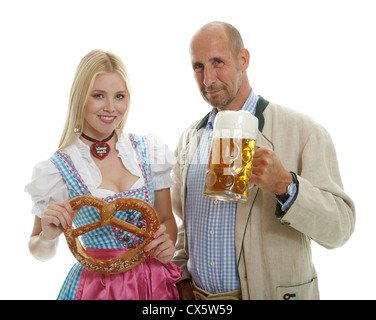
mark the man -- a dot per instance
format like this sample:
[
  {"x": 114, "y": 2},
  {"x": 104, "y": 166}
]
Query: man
[{"x": 259, "y": 249}]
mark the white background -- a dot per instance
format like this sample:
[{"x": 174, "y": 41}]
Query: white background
[{"x": 317, "y": 57}]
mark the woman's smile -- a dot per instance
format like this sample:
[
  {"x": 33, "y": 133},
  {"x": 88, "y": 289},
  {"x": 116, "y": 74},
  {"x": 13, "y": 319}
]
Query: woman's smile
[{"x": 107, "y": 119}]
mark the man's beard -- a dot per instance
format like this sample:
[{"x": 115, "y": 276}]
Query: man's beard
[
  {"x": 224, "y": 97},
  {"x": 221, "y": 100}
]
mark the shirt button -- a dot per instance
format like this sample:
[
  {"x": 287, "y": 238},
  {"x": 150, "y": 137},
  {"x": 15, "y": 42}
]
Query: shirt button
[
  {"x": 212, "y": 232},
  {"x": 212, "y": 263},
  {"x": 216, "y": 202}
]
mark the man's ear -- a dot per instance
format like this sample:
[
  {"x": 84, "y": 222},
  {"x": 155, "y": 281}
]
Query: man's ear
[{"x": 244, "y": 59}]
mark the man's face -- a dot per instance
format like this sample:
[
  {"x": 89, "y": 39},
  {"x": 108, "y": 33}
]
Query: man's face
[{"x": 216, "y": 70}]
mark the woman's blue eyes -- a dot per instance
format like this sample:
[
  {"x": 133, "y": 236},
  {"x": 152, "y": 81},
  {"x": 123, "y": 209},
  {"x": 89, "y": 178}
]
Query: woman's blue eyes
[{"x": 101, "y": 96}]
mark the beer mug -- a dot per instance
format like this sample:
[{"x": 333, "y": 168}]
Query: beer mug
[{"x": 230, "y": 162}]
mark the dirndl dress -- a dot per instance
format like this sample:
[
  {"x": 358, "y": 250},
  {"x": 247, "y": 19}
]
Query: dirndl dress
[{"x": 149, "y": 280}]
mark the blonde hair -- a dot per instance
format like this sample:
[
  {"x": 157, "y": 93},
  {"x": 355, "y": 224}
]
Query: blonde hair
[{"x": 93, "y": 64}]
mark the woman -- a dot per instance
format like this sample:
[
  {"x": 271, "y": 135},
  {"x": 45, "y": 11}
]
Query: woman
[{"x": 95, "y": 158}]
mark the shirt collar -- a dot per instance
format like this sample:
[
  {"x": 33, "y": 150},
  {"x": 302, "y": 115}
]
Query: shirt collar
[{"x": 249, "y": 105}]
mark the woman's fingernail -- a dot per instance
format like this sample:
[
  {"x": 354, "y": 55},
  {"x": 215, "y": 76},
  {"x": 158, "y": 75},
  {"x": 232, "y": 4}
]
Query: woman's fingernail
[
  {"x": 146, "y": 249},
  {"x": 155, "y": 236}
]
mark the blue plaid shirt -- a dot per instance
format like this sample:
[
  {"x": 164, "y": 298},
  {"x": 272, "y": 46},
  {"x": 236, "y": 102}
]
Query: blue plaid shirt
[{"x": 210, "y": 224}]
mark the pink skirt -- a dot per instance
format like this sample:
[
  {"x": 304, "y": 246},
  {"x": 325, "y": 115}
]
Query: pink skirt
[{"x": 149, "y": 280}]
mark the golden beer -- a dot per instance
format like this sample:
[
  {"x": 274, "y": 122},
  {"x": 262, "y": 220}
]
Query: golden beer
[
  {"x": 230, "y": 161},
  {"x": 229, "y": 169}
]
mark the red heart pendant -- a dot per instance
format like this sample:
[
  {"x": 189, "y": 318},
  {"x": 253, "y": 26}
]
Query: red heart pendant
[{"x": 100, "y": 150}]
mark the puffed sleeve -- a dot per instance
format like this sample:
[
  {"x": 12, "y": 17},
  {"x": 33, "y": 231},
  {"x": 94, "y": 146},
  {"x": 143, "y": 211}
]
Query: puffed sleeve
[
  {"x": 47, "y": 186},
  {"x": 162, "y": 160}
]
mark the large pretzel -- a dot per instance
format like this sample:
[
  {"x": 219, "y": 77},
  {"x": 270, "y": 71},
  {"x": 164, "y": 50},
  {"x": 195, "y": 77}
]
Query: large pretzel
[{"x": 127, "y": 260}]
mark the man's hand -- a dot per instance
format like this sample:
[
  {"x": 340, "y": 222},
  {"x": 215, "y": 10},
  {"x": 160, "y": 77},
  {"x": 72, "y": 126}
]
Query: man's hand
[{"x": 268, "y": 172}]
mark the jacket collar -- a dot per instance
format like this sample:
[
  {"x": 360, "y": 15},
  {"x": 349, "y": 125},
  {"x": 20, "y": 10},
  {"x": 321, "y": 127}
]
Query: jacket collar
[{"x": 260, "y": 108}]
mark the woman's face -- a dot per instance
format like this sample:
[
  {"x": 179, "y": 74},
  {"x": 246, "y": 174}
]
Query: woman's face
[{"x": 106, "y": 105}]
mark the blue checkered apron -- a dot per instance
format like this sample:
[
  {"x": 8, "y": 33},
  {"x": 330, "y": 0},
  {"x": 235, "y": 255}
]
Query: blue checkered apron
[{"x": 107, "y": 237}]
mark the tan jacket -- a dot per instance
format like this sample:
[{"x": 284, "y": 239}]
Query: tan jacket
[{"x": 274, "y": 254}]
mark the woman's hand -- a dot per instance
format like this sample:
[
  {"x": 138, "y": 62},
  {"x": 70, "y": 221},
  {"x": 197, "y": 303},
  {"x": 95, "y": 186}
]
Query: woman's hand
[
  {"x": 162, "y": 245},
  {"x": 58, "y": 216}
]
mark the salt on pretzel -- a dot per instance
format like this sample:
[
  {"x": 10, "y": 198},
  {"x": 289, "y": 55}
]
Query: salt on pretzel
[{"x": 127, "y": 260}]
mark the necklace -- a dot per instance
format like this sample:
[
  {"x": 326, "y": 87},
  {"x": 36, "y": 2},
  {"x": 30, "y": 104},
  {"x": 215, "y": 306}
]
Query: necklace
[{"x": 99, "y": 149}]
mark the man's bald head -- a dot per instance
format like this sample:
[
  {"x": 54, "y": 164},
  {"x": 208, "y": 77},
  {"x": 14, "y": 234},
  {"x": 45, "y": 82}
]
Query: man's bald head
[{"x": 235, "y": 41}]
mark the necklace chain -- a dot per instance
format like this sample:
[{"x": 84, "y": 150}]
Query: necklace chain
[{"x": 94, "y": 140}]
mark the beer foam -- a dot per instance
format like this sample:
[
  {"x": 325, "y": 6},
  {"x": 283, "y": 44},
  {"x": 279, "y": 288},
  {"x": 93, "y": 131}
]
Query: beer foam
[{"x": 235, "y": 124}]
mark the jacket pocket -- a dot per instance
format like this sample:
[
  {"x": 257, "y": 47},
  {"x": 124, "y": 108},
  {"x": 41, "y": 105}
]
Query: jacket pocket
[{"x": 305, "y": 291}]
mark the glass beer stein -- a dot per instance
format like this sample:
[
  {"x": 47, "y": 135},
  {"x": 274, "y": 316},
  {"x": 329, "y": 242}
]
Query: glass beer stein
[{"x": 230, "y": 162}]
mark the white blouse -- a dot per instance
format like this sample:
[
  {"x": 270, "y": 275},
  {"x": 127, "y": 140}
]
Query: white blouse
[{"x": 47, "y": 185}]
